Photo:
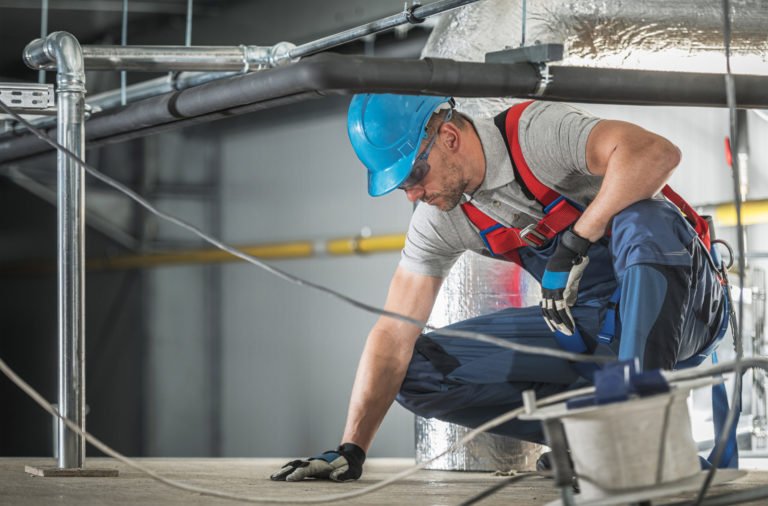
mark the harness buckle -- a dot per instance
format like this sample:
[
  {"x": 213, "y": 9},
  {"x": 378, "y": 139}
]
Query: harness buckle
[{"x": 532, "y": 237}]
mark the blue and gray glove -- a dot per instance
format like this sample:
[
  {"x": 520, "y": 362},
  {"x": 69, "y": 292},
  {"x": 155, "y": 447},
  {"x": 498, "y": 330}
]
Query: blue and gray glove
[
  {"x": 560, "y": 284},
  {"x": 345, "y": 463}
]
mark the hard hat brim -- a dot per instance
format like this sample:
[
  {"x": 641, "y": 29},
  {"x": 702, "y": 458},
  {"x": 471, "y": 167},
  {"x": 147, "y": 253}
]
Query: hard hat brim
[{"x": 387, "y": 180}]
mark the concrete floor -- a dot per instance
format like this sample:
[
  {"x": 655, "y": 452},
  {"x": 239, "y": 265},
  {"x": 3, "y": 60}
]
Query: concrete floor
[{"x": 250, "y": 477}]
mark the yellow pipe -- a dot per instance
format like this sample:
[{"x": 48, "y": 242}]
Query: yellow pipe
[
  {"x": 288, "y": 250},
  {"x": 373, "y": 244},
  {"x": 753, "y": 212},
  {"x": 202, "y": 256}
]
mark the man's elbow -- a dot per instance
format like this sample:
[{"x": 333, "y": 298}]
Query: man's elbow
[{"x": 667, "y": 156}]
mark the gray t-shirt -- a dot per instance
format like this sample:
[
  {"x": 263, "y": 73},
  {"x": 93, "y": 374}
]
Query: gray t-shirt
[{"x": 553, "y": 139}]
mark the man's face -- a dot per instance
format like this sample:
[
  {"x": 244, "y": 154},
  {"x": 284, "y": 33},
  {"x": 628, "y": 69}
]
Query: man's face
[{"x": 443, "y": 185}]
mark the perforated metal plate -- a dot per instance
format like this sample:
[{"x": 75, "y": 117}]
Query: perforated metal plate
[{"x": 27, "y": 96}]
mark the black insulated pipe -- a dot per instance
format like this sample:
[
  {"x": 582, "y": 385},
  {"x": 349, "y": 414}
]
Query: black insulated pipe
[
  {"x": 651, "y": 87},
  {"x": 332, "y": 74}
]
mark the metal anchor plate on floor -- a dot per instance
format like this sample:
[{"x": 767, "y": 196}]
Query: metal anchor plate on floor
[{"x": 82, "y": 472}]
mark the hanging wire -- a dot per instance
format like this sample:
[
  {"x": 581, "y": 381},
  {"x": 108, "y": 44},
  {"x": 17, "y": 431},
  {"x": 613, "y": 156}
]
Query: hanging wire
[
  {"x": 477, "y": 336},
  {"x": 188, "y": 36},
  {"x": 124, "y": 42},
  {"x": 98, "y": 444},
  {"x": 43, "y": 33},
  {"x": 730, "y": 90},
  {"x": 761, "y": 114}
]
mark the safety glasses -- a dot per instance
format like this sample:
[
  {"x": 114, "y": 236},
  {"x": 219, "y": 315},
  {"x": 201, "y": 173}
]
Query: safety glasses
[{"x": 420, "y": 167}]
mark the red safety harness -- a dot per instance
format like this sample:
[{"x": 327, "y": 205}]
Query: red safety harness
[{"x": 559, "y": 212}]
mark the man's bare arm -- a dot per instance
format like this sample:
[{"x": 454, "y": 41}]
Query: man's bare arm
[
  {"x": 635, "y": 165},
  {"x": 387, "y": 353}
]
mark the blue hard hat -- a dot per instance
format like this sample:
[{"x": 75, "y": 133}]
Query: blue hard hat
[{"x": 386, "y": 132}]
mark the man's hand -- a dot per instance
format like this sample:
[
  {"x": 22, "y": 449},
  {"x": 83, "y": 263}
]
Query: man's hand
[
  {"x": 342, "y": 464},
  {"x": 560, "y": 284}
]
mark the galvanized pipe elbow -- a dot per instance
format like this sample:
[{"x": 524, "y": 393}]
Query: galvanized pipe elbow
[{"x": 62, "y": 52}]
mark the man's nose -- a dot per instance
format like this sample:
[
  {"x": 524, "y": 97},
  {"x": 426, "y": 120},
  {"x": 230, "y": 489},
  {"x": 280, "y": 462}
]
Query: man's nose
[{"x": 414, "y": 193}]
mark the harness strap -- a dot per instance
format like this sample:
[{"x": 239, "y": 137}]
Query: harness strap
[
  {"x": 730, "y": 458},
  {"x": 497, "y": 238},
  {"x": 542, "y": 193},
  {"x": 559, "y": 212},
  {"x": 608, "y": 330},
  {"x": 699, "y": 224},
  {"x": 575, "y": 344}
]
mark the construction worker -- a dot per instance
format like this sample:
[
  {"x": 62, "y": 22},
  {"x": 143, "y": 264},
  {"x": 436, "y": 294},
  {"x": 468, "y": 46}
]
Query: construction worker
[{"x": 577, "y": 202}]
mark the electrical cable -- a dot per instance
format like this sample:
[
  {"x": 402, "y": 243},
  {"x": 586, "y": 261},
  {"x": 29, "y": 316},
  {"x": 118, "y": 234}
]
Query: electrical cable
[
  {"x": 510, "y": 415},
  {"x": 498, "y": 486},
  {"x": 715, "y": 370},
  {"x": 761, "y": 362},
  {"x": 686, "y": 375},
  {"x": 750, "y": 495},
  {"x": 477, "y": 336},
  {"x": 761, "y": 114},
  {"x": 730, "y": 90}
]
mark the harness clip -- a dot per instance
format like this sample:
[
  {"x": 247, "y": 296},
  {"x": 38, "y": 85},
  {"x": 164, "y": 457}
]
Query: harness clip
[{"x": 532, "y": 237}]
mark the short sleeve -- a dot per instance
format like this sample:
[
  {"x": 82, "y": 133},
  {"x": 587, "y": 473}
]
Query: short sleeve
[
  {"x": 553, "y": 139},
  {"x": 432, "y": 244}
]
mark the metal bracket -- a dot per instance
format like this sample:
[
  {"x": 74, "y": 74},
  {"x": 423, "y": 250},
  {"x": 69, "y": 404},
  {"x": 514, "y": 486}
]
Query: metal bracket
[
  {"x": 410, "y": 16},
  {"x": 538, "y": 53},
  {"x": 29, "y": 98},
  {"x": 544, "y": 78}
]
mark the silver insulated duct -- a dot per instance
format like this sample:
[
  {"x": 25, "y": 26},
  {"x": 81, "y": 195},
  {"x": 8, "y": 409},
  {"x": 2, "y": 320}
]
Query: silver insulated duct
[
  {"x": 645, "y": 35},
  {"x": 476, "y": 285},
  {"x": 683, "y": 36}
]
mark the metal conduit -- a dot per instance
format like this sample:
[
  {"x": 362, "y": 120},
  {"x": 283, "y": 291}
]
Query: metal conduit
[
  {"x": 165, "y": 58},
  {"x": 328, "y": 74},
  {"x": 414, "y": 15}
]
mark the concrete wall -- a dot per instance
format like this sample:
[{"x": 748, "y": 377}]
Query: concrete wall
[
  {"x": 29, "y": 342},
  {"x": 288, "y": 354}
]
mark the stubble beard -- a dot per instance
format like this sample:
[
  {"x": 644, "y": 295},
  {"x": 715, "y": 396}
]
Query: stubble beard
[{"x": 452, "y": 191}]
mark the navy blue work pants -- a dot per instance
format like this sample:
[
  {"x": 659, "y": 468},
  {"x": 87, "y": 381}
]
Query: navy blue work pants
[{"x": 671, "y": 308}]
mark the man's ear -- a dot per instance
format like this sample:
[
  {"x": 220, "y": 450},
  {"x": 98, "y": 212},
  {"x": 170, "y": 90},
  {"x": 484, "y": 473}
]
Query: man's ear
[{"x": 450, "y": 136}]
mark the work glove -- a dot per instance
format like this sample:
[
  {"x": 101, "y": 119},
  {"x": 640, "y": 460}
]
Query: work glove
[
  {"x": 560, "y": 284},
  {"x": 345, "y": 463}
]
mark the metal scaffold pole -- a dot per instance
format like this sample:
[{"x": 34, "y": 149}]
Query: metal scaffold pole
[
  {"x": 71, "y": 258},
  {"x": 64, "y": 49}
]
